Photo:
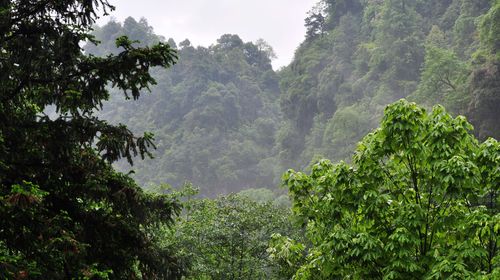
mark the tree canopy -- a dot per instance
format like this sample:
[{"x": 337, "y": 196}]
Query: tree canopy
[
  {"x": 215, "y": 113},
  {"x": 227, "y": 237},
  {"x": 225, "y": 120},
  {"x": 419, "y": 201},
  {"x": 360, "y": 56},
  {"x": 65, "y": 213}
]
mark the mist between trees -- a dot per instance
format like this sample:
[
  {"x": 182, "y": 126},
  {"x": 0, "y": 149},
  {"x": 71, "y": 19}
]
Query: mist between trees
[{"x": 413, "y": 193}]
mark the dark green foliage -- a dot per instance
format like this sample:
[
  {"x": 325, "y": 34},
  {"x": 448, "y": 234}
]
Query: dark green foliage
[
  {"x": 64, "y": 212},
  {"x": 485, "y": 100},
  {"x": 139, "y": 31},
  {"x": 485, "y": 81},
  {"x": 315, "y": 24},
  {"x": 490, "y": 28},
  {"x": 338, "y": 8}
]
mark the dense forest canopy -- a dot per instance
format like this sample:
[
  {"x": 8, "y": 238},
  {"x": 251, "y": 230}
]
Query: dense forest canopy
[
  {"x": 225, "y": 120},
  {"x": 415, "y": 198},
  {"x": 228, "y": 237},
  {"x": 215, "y": 113},
  {"x": 360, "y": 56}
]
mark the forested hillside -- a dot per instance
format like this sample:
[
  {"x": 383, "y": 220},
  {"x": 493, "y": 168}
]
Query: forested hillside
[
  {"x": 217, "y": 114},
  {"x": 415, "y": 192},
  {"x": 359, "y": 56},
  {"x": 214, "y": 114}
]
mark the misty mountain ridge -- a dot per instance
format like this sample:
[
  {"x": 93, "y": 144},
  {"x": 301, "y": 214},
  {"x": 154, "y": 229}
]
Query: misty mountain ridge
[{"x": 224, "y": 120}]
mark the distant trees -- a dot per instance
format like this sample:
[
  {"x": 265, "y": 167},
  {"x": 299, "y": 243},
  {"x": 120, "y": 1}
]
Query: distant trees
[
  {"x": 444, "y": 75},
  {"x": 360, "y": 56},
  {"x": 484, "y": 82},
  {"x": 339, "y": 8},
  {"x": 265, "y": 48},
  {"x": 315, "y": 22},
  {"x": 420, "y": 201},
  {"x": 229, "y": 41},
  {"x": 227, "y": 237},
  {"x": 184, "y": 44},
  {"x": 65, "y": 213},
  {"x": 215, "y": 115},
  {"x": 140, "y": 31},
  {"x": 490, "y": 28}
]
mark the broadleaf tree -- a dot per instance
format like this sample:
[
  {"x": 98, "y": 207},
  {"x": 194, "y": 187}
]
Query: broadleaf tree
[
  {"x": 64, "y": 212},
  {"x": 419, "y": 201},
  {"x": 227, "y": 237}
]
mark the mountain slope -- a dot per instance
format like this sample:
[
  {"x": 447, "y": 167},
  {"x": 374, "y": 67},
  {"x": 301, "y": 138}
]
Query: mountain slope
[
  {"x": 214, "y": 113},
  {"x": 359, "y": 56},
  {"x": 226, "y": 121}
]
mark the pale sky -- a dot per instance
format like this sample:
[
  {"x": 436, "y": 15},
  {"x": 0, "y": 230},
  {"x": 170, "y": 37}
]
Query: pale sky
[{"x": 279, "y": 22}]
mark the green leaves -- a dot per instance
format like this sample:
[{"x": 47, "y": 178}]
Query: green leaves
[
  {"x": 64, "y": 212},
  {"x": 490, "y": 27},
  {"x": 25, "y": 194},
  {"x": 227, "y": 238},
  {"x": 444, "y": 77},
  {"x": 412, "y": 206}
]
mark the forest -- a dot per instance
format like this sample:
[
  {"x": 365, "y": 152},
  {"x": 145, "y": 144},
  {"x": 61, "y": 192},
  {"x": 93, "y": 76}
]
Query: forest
[{"x": 372, "y": 155}]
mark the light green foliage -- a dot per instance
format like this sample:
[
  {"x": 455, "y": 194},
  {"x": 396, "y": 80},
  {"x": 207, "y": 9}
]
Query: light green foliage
[
  {"x": 287, "y": 253},
  {"x": 227, "y": 237},
  {"x": 263, "y": 195},
  {"x": 258, "y": 195},
  {"x": 490, "y": 28},
  {"x": 420, "y": 201},
  {"x": 444, "y": 78},
  {"x": 465, "y": 28}
]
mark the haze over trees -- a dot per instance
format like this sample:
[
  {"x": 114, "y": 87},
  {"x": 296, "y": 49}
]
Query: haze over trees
[
  {"x": 372, "y": 53},
  {"x": 215, "y": 113},
  {"x": 414, "y": 195},
  {"x": 225, "y": 120}
]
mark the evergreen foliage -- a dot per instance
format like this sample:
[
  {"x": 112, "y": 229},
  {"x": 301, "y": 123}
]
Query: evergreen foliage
[{"x": 65, "y": 213}]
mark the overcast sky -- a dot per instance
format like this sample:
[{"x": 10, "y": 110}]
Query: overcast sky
[{"x": 279, "y": 22}]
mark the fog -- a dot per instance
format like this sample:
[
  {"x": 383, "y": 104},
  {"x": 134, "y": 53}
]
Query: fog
[{"x": 279, "y": 22}]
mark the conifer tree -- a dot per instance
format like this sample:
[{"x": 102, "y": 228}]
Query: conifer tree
[{"x": 64, "y": 212}]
